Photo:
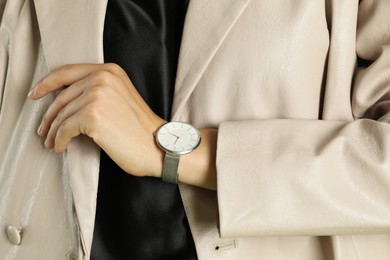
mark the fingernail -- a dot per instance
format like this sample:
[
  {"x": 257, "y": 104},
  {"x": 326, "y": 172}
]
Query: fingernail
[
  {"x": 31, "y": 93},
  {"x": 39, "y": 129}
]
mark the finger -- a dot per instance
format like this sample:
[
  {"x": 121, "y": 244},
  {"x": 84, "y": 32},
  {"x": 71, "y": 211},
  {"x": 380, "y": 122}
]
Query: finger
[
  {"x": 62, "y": 100},
  {"x": 68, "y": 129},
  {"x": 62, "y": 77},
  {"x": 71, "y": 109}
]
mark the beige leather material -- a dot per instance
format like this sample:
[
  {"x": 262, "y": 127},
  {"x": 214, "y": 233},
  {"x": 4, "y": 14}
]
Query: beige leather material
[
  {"x": 201, "y": 40},
  {"x": 66, "y": 42},
  {"x": 47, "y": 215},
  {"x": 34, "y": 182},
  {"x": 300, "y": 176},
  {"x": 303, "y": 153}
]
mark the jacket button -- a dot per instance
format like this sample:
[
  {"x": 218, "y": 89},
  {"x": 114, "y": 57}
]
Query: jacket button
[{"x": 14, "y": 235}]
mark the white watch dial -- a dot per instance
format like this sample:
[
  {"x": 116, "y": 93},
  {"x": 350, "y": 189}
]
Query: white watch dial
[{"x": 178, "y": 137}]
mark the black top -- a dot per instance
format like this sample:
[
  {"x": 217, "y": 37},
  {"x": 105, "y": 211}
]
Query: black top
[{"x": 142, "y": 218}]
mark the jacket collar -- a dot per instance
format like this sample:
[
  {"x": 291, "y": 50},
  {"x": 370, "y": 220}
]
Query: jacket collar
[{"x": 207, "y": 25}]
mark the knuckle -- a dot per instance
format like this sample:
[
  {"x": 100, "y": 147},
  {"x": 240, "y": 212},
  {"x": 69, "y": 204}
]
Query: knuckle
[
  {"x": 63, "y": 69},
  {"x": 45, "y": 119},
  {"x": 60, "y": 116},
  {"x": 95, "y": 93},
  {"x": 58, "y": 140},
  {"x": 59, "y": 101},
  {"x": 43, "y": 82},
  {"x": 113, "y": 67},
  {"x": 116, "y": 70},
  {"x": 90, "y": 118},
  {"x": 102, "y": 77},
  {"x": 90, "y": 114},
  {"x": 61, "y": 129}
]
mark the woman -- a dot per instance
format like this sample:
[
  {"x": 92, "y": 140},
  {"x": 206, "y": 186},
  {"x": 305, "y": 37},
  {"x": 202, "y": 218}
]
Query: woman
[{"x": 298, "y": 131}]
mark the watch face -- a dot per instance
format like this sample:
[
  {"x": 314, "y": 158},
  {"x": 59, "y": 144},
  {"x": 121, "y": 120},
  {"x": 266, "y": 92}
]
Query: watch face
[{"x": 178, "y": 137}]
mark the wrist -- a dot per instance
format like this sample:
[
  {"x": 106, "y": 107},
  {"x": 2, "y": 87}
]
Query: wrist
[
  {"x": 198, "y": 168},
  {"x": 153, "y": 164},
  {"x": 158, "y": 159}
]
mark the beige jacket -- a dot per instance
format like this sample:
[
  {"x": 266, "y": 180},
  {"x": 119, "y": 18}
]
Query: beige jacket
[{"x": 303, "y": 155}]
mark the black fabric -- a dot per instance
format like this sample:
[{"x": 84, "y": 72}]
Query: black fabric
[{"x": 142, "y": 218}]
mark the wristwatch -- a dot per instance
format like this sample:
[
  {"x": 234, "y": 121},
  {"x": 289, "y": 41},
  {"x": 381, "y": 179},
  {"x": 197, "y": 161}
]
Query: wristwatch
[{"x": 176, "y": 138}]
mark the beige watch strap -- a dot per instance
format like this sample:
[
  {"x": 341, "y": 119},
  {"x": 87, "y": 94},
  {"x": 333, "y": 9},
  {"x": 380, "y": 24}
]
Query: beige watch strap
[{"x": 171, "y": 164}]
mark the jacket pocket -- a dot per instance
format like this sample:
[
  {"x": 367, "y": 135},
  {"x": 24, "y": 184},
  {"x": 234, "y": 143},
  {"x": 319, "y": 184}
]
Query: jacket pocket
[{"x": 4, "y": 58}]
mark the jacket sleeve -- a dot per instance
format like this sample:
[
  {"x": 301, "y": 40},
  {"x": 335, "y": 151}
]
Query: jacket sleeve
[{"x": 315, "y": 177}]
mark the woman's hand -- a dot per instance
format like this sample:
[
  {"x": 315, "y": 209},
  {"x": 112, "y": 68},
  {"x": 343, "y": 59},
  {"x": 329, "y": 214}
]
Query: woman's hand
[{"x": 99, "y": 100}]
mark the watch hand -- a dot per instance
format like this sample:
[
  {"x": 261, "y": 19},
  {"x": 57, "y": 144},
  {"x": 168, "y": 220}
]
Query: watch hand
[{"x": 173, "y": 135}]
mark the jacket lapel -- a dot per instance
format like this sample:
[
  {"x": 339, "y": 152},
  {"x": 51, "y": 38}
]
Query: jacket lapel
[
  {"x": 207, "y": 24},
  {"x": 72, "y": 32}
]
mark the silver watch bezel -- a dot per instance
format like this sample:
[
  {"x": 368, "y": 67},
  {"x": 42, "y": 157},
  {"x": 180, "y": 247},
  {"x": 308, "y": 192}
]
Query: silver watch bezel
[{"x": 176, "y": 153}]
